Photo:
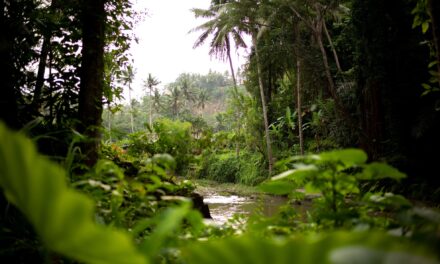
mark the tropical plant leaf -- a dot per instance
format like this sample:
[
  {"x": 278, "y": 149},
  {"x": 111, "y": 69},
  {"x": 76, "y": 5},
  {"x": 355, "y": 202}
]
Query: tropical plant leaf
[
  {"x": 378, "y": 170},
  {"x": 62, "y": 217},
  {"x": 349, "y": 157},
  {"x": 168, "y": 222},
  {"x": 336, "y": 248},
  {"x": 300, "y": 173}
]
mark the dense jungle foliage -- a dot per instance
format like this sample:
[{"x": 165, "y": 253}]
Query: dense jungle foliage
[{"x": 337, "y": 110}]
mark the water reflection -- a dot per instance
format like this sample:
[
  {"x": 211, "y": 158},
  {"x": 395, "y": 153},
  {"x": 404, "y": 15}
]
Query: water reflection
[{"x": 223, "y": 208}]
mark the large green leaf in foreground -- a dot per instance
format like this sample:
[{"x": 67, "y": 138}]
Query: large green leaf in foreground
[
  {"x": 334, "y": 248},
  {"x": 62, "y": 217}
]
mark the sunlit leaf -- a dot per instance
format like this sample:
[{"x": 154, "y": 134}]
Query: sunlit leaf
[
  {"x": 301, "y": 172},
  {"x": 425, "y": 26},
  {"x": 389, "y": 200}
]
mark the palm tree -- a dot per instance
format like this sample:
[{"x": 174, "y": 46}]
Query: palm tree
[
  {"x": 157, "y": 99},
  {"x": 202, "y": 98},
  {"x": 151, "y": 83},
  {"x": 175, "y": 99},
  {"x": 219, "y": 27},
  {"x": 232, "y": 19},
  {"x": 127, "y": 78},
  {"x": 256, "y": 26},
  {"x": 221, "y": 31},
  {"x": 186, "y": 87}
]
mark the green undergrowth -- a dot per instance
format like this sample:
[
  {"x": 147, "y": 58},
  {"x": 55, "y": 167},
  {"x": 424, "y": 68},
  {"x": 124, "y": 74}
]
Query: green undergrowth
[
  {"x": 109, "y": 216},
  {"x": 204, "y": 186},
  {"x": 246, "y": 168}
]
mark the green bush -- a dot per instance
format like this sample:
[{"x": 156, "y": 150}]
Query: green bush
[
  {"x": 168, "y": 136},
  {"x": 336, "y": 176},
  {"x": 227, "y": 167},
  {"x": 174, "y": 138},
  {"x": 220, "y": 167},
  {"x": 61, "y": 216},
  {"x": 65, "y": 222},
  {"x": 252, "y": 169}
]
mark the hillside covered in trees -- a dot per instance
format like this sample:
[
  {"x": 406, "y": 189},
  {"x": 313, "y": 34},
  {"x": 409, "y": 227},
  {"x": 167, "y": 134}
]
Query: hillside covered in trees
[{"x": 335, "y": 113}]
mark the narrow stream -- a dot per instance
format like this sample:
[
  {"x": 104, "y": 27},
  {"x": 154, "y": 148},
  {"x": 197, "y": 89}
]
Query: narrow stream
[{"x": 223, "y": 207}]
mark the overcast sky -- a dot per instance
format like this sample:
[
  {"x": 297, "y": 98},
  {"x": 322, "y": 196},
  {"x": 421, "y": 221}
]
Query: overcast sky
[{"x": 165, "y": 47}]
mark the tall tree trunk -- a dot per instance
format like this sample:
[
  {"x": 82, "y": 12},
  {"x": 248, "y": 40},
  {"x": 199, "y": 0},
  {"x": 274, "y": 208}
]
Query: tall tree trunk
[
  {"x": 299, "y": 104},
  {"x": 328, "y": 74},
  {"x": 151, "y": 108},
  {"x": 36, "y": 101},
  {"x": 434, "y": 13},
  {"x": 92, "y": 76},
  {"x": 331, "y": 84},
  {"x": 316, "y": 27},
  {"x": 109, "y": 117},
  {"x": 131, "y": 109},
  {"x": 228, "y": 51},
  {"x": 332, "y": 46},
  {"x": 8, "y": 99},
  {"x": 264, "y": 106},
  {"x": 51, "y": 85}
]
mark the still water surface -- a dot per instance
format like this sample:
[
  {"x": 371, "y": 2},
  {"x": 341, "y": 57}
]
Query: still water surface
[{"x": 223, "y": 207}]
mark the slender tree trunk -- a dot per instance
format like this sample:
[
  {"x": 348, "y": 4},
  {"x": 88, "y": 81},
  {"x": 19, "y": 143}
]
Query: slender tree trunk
[
  {"x": 109, "y": 118},
  {"x": 51, "y": 84},
  {"x": 92, "y": 76},
  {"x": 434, "y": 13},
  {"x": 151, "y": 108},
  {"x": 228, "y": 50},
  {"x": 264, "y": 106},
  {"x": 317, "y": 27},
  {"x": 36, "y": 101},
  {"x": 298, "y": 90},
  {"x": 299, "y": 104},
  {"x": 328, "y": 74},
  {"x": 131, "y": 108},
  {"x": 332, "y": 46},
  {"x": 331, "y": 84}
]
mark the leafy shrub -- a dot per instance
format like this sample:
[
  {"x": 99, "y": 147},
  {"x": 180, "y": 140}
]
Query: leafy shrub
[
  {"x": 62, "y": 217},
  {"x": 227, "y": 167},
  {"x": 336, "y": 176},
  {"x": 252, "y": 169},
  {"x": 220, "y": 167},
  {"x": 171, "y": 137},
  {"x": 174, "y": 138},
  {"x": 138, "y": 144}
]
